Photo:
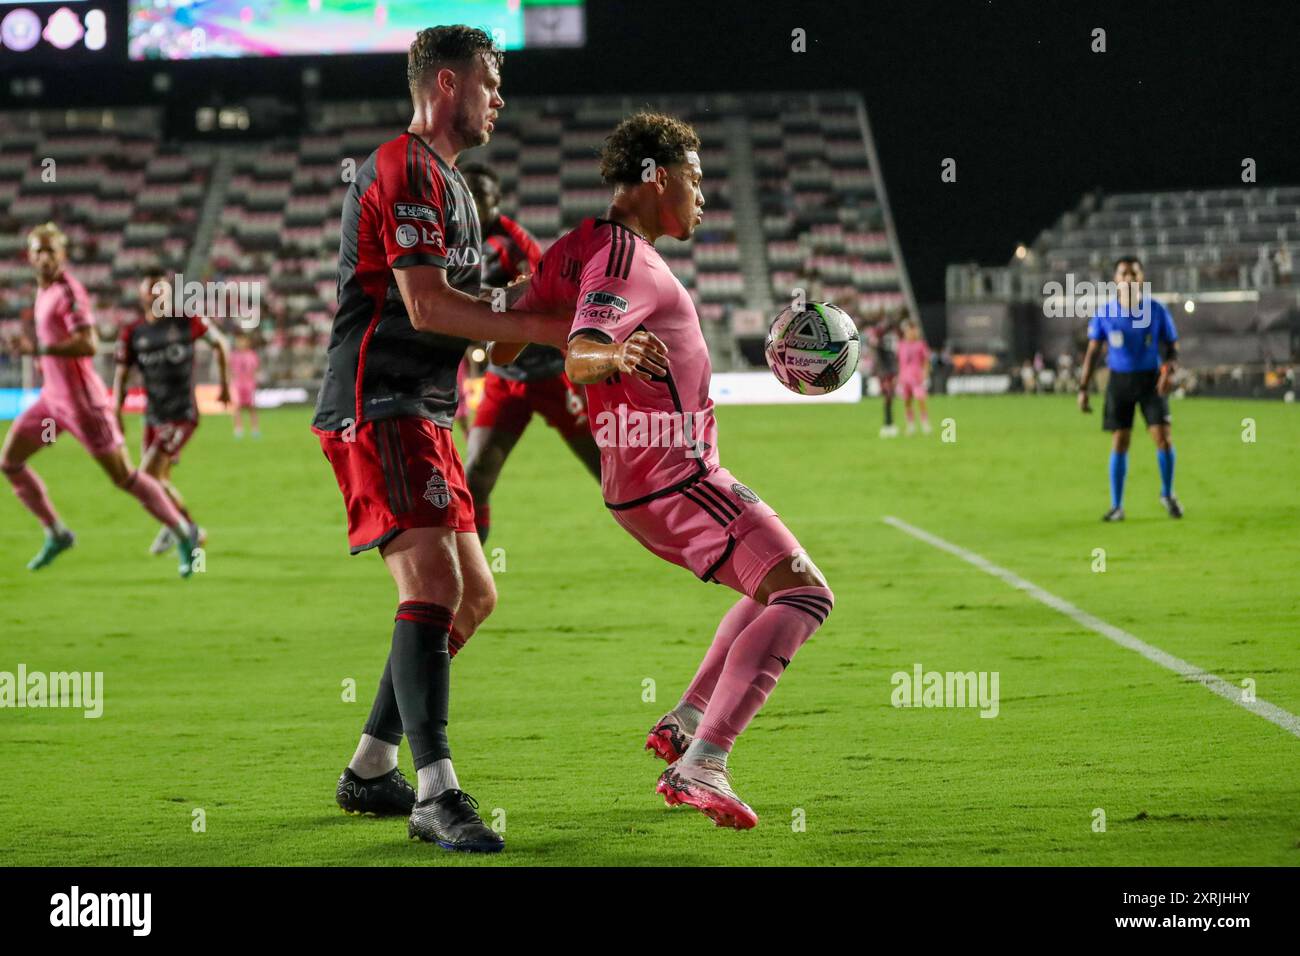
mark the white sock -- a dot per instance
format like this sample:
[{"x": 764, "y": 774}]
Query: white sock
[
  {"x": 701, "y": 749},
  {"x": 688, "y": 717},
  {"x": 435, "y": 778},
  {"x": 374, "y": 758}
]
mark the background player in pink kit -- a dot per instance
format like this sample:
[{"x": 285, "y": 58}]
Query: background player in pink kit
[
  {"x": 913, "y": 366},
  {"x": 637, "y": 346},
  {"x": 73, "y": 399},
  {"x": 244, "y": 364}
]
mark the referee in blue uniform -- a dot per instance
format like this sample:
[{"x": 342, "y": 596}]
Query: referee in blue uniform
[{"x": 1142, "y": 353}]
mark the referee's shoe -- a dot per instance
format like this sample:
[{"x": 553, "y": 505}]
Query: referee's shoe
[{"x": 1172, "y": 506}]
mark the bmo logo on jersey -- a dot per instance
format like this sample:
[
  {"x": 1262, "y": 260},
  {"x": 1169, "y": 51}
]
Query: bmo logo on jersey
[{"x": 463, "y": 256}]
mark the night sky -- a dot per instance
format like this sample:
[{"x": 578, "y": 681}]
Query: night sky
[{"x": 1012, "y": 91}]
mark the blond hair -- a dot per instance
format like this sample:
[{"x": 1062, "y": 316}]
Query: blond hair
[{"x": 48, "y": 230}]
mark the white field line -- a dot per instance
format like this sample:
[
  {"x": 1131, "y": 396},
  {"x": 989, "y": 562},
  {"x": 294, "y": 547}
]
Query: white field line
[{"x": 1211, "y": 682}]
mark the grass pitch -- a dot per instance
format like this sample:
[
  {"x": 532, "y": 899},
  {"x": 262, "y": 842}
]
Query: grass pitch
[{"x": 225, "y": 693}]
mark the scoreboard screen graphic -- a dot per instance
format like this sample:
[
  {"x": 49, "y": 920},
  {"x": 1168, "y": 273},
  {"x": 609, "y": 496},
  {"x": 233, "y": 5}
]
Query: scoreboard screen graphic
[
  {"x": 43, "y": 29},
  {"x": 203, "y": 29}
]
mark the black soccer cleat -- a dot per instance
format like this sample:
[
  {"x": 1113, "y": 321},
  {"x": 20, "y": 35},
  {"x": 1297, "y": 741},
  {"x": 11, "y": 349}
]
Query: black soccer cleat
[
  {"x": 1114, "y": 514},
  {"x": 1172, "y": 506},
  {"x": 388, "y": 795},
  {"x": 450, "y": 820}
]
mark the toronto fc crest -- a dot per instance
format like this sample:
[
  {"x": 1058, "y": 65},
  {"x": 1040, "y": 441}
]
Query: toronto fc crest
[{"x": 435, "y": 492}]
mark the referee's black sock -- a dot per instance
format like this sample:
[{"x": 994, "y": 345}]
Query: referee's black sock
[{"x": 420, "y": 667}]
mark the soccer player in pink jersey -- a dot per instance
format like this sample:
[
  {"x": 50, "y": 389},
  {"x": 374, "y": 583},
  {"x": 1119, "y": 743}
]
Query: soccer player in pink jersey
[
  {"x": 913, "y": 364},
  {"x": 73, "y": 399},
  {"x": 244, "y": 364},
  {"x": 637, "y": 346}
]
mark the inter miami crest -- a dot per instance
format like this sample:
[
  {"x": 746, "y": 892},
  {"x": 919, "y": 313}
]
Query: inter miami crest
[
  {"x": 435, "y": 492},
  {"x": 743, "y": 493}
]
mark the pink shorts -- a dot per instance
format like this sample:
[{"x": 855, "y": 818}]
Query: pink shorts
[
  {"x": 244, "y": 394},
  {"x": 912, "y": 387},
  {"x": 92, "y": 425},
  {"x": 716, "y": 528}
]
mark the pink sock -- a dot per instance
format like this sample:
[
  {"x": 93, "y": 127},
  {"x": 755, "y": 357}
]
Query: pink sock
[
  {"x": 155, "y": 500},
  {"x": 757, "y": 658},
  {"x": 740, "y": 616},
  {"x": 31, "y": 492}
]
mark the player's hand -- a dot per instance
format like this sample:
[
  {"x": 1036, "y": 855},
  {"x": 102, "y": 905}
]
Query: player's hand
[
  {"x": 20, "y": 344},
  {"x": 1165, "y": 383},
  {"x": 643, "y": 356},
  {"x": 1084, "y": 406},
  {"x": 224, "y": 396}
]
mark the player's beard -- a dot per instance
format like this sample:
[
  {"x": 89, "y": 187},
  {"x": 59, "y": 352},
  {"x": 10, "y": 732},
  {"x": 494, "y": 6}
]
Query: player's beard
[{"x": 463, "y": 126}]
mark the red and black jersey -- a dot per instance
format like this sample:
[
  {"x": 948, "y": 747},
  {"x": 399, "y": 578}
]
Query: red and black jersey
[
  {"x": 407, "y": 207},
  {"x": 506, "y": 246},
  {"x": 163, "y": 351}
]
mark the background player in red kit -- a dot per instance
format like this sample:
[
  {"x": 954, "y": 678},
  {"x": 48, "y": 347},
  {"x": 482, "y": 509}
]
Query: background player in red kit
[
  {"x": 408, "y": 284},
  {"x": 534, "y": 381},
  {"x": 637, "y": 346},
  {"x": 161, "y": 346},
  {"x": 73, "y": 399}
]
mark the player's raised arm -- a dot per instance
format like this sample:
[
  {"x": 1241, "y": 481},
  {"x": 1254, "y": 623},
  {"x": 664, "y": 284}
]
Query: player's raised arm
[{"x": 213, "y": 336}]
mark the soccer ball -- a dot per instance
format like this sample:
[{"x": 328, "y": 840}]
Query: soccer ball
[{"x": 814, "y": 351}]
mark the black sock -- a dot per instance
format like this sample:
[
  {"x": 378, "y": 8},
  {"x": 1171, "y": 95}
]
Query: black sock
[
  {"x": 420, "y": 668},
  {"x": 385, "y": 722},
  {"x": 889, "y": 412}
]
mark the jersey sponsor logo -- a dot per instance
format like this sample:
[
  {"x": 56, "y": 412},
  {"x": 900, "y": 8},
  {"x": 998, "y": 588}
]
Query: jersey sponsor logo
[
  {"x": 601, "y": 316},
  {"x": 1117, "y": 338},
  {"x": 463, "y": 256},
  {"x": 743, "y": 493},
  {"x": 411, "y": 210},
  {"x": 406, "y": 236},
  {"x": 606, "y": 298},
  {"x": 436, "y": 491}
]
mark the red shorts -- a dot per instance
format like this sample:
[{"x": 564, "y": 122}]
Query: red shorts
[
  {"x": 395, "y": 474},
  {"x": 93, "y": 425},
  {"x": 169, "y": 437},
  {"x": 508, "y": 404},
  {"x": 716, "y": 528}
]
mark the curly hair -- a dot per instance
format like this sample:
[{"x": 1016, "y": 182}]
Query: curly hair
[
  {"x": 455, "y": 46},
  {"x": 645, "y": 135}
]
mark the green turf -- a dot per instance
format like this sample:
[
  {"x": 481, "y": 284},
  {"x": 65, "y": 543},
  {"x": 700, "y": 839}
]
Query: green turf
[{"x": 224, "y": 692}]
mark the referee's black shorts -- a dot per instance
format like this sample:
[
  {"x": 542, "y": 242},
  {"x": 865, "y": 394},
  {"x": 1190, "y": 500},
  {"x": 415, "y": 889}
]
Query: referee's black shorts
[{"x": 1127, "y": 390}]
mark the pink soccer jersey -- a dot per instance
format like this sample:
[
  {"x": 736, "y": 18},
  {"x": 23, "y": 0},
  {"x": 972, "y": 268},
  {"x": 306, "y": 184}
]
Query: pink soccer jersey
[
  {"x": 243, "y": 375},
  {"x": 913, "y": 358},
  {"x": 652, "y": 435},
  {"x": 61, "y": 308}
]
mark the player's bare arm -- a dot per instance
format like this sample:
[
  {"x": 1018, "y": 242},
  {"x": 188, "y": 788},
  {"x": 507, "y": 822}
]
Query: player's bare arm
[
  {"x": 503, "y": 353},
  {"x": 81, "y": 343},
  {"x": 121, "y": 373},
  {"x": 434, "y": 306},
  {"x": 221, "y": 347},
  {"x": 1085, "y": 376},
  {"x": 589, "y": 359}
]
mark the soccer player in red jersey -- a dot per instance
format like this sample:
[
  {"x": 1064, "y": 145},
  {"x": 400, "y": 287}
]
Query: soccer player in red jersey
[
  {"x": 637, "y": 346},
  {"x": 409, "y": 284},
  {"x": 161, "y": 346},
  {"x": 534, "y": 382},
  {"x": 73, "y": 399}
]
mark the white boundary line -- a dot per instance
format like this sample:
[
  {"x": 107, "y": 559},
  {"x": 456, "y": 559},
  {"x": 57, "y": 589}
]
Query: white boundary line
[{"x": 1211, "y": 682}]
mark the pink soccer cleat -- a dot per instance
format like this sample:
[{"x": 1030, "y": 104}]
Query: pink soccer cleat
[
  {"x": 667, "y": 739},
  {"x": 706, "y": 786}
]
